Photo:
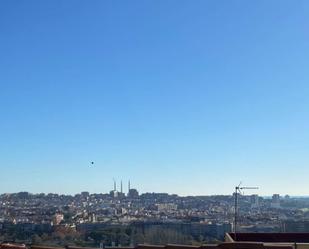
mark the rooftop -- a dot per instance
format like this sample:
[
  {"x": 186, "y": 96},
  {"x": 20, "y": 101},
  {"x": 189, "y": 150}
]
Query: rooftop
[
  {"x": 270, "y": 237},
  {"x": 225, "y": 245}
]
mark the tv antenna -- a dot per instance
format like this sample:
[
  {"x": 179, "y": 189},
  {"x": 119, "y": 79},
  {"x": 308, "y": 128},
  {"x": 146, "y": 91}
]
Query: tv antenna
[{"x": 238, "y": 190}]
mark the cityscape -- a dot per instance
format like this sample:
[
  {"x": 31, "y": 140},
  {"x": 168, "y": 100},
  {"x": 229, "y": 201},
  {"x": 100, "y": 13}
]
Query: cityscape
[
  {"x": 129, "y": 124},
  {"x": 128, "y": 218}
]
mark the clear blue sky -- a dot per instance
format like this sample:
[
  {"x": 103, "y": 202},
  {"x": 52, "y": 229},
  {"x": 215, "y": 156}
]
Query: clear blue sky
[{"x": 185, "y": 97}]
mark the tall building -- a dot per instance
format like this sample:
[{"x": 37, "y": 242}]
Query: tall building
[
  {"x": 133, "y": 193},
  {"x": 254, "y": 200},
  {"x": 85, "y": 194},
  {"x": 275, "y": 201},
  {"x": 114, "y": 193}
]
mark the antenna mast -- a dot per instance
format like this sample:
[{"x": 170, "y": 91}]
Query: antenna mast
[{"x": 238, "y": 191}]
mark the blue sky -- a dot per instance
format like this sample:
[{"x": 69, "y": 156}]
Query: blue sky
[{"x": 186, "y": 97}]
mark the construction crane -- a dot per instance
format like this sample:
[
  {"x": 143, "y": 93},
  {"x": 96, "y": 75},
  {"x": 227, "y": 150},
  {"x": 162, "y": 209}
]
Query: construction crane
[{"x": 238, "y": 190}]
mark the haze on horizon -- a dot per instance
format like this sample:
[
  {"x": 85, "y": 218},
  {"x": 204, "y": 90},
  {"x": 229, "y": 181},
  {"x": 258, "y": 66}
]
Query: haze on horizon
[{"x": 177, "y": 96}]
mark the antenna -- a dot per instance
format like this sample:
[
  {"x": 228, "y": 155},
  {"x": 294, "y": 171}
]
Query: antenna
[
  {"x": 121, "y": 187},
  {"x": 238, "y": 191}
]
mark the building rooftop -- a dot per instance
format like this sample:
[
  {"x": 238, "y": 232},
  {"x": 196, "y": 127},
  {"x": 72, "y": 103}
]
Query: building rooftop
[
  {"x": 270, "y": 237},
  {"x": 225, "y": 245}
]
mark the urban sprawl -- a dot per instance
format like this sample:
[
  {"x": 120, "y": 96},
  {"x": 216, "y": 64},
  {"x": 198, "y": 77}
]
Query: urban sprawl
[{"x": 119, "y": 218}]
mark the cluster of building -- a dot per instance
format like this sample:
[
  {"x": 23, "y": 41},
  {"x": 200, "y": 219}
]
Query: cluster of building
[{"x": 211, "y": 214}]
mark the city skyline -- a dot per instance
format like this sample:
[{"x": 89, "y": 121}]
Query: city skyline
[
  {"x": 212, "y": 195},
  {"x": 180, "y": 97},
  {"x": 126, "y": 190}
]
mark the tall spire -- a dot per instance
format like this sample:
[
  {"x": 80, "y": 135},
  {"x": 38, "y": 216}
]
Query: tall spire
[
  {"x": 129, "y": 187},
  {"x": 121, "y": 186},
  {"x": 114, "y": 184}
]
